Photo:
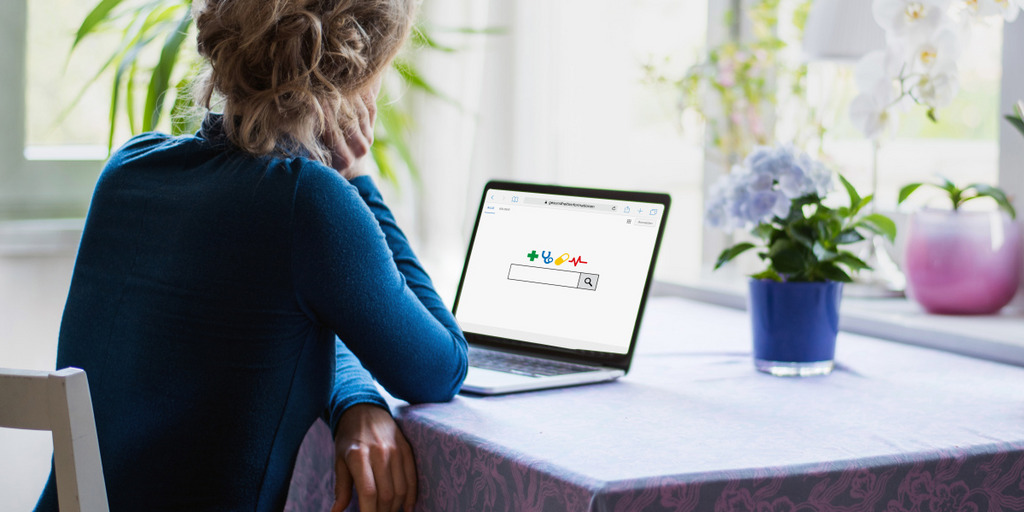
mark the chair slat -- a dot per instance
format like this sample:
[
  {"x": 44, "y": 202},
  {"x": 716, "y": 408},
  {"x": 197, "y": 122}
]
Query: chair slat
[{"x": 23, "y": 399}]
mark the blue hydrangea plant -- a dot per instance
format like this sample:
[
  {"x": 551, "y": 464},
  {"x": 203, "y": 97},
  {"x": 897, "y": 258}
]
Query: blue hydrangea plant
[{"x": 777, "y": 194}]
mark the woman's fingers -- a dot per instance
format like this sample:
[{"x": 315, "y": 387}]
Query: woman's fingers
[
  {"x": 342, "y": 485},
  {"x": 366, "y": 484},
  {"x": 371, "y": 449},
  {"x": 347, "y": 154},
  {"x": 408, "y": 468},
  {"x": 368, "y": 115}
]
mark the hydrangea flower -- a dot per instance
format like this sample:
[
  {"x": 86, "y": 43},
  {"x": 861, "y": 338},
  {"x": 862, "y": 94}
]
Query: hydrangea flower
[
  {"x": 765, "y": 186},
  {"x": 777, "y": 193}
]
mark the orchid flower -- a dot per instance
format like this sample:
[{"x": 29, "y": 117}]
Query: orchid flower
[{"x": 913, "y": 19}]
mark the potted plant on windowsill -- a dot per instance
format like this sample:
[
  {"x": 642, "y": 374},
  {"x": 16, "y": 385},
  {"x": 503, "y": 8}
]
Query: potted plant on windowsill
[
  {"x": 779, "y": 195},
  {"x": 964, "y": 262}
]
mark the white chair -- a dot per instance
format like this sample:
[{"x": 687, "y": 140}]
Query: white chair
[{"x": 59, "y": 402}]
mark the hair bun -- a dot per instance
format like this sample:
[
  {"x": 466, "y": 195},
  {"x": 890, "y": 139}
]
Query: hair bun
[
  {"x": 346, "y": 42},
  {"x": 287, "y": 68}
]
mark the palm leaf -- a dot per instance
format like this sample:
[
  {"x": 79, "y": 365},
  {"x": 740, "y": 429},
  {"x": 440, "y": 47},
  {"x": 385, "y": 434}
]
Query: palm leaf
[
  {"x": 94, "y": 19},
  {"x": 125, "y": 66},
  {"x": 394, "y": 124},
  {"x": 411, "y": 75},
  {"x": 161, "y": 76}
]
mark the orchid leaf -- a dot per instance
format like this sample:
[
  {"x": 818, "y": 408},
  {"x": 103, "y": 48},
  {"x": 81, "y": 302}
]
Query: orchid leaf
[
  {"x": 906, "y": 191},
  {"x": 996, "y": 194},
  {"x": 1017, "y": 122}
]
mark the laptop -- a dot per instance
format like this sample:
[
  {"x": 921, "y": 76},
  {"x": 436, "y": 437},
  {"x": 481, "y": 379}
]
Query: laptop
[{"x": 554, "y": 284}]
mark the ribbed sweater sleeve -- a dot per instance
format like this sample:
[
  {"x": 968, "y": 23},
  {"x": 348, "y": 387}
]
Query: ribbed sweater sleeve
[{"x": 356, "y": 274}]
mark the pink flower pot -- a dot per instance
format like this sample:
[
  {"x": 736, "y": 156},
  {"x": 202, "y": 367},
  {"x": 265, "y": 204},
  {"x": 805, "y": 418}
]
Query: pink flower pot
[{"x": 962, "y": 263}]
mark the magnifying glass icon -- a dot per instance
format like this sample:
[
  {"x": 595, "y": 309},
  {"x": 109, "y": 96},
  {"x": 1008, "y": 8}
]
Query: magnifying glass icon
[{"x": 589, "y": 282}]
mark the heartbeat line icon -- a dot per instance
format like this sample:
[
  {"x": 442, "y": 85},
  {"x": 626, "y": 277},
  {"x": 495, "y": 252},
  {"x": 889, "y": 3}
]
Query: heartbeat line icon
[
  {"x": 565, "y": 257},
  {"x": 577, "y": 260}
]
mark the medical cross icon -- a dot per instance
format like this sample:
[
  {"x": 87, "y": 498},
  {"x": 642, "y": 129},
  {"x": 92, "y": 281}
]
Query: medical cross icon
[{"x": 532, "y": 255}]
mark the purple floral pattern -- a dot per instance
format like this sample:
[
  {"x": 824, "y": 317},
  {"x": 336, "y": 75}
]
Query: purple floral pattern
[
  {"x": 896, "y": 429},
  {"x": 460, "y": 473},
  {"x": 457, "y": 477}
]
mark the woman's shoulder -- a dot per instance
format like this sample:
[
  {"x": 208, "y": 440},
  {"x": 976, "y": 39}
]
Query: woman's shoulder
[
  {"x": 151, "y": 145},
  {"x": 322, "y": 187}
]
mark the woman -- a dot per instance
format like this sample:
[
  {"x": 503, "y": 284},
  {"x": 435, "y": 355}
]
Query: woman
[{"x": 234, "y": 285}]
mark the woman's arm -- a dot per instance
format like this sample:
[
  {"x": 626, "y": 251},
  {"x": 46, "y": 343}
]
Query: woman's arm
[{"x": 356, "y": 274}]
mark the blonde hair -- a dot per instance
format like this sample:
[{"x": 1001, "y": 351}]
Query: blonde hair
[{"x": 288, "y": 71}]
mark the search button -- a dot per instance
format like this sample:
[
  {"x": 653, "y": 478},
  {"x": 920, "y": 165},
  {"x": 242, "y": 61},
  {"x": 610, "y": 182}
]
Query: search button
[{"x": 587, "y": 281}]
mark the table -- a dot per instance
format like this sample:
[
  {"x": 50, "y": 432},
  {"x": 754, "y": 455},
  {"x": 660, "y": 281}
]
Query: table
[{"x": 694, "y": 427}]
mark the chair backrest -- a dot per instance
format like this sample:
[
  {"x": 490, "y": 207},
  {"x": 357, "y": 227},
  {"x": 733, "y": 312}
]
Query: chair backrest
[{"x": 59, "y": 402}]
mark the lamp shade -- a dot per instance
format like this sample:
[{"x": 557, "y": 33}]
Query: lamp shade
[{"x": 841, "y": 30}]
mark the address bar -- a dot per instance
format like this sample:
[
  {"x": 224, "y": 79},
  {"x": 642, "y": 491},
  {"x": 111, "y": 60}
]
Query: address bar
[{"x": 569, "y": 203}]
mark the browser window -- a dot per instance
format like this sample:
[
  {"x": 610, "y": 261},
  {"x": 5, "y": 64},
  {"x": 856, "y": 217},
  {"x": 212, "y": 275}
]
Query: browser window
[{"x": 559, "y": 270}]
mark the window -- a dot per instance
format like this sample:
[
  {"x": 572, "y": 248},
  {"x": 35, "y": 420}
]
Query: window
[{"x": 55, "y": 80}]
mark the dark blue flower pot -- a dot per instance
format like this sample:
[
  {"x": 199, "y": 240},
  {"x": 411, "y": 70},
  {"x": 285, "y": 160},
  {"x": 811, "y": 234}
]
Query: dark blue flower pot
[{"x": 795, "y": 326}]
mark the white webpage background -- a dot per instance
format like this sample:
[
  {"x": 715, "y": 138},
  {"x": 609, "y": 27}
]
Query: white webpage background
[{"x": 599, "y": 320}]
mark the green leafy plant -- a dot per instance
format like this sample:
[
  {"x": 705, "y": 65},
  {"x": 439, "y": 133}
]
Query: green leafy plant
[
  {"x": 958, "y": 196},
  {"x": 156, "y": 55},
  {"x": 781, "y": 194},
  {"x": 1017, "y": 119}
]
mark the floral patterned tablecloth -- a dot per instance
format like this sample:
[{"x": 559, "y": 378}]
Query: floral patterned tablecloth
[{"x": 693, "y": 427}]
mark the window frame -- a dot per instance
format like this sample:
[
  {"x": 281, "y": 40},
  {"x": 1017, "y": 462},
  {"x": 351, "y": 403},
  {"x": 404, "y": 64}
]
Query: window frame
[{"x": 32, "y": 188}]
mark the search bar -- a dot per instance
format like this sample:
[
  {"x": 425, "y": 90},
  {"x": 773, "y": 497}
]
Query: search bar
[{"x": 553, "y": 277}]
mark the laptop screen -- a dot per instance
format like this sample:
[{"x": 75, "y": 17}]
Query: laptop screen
[{"x": 563, "y": 271}]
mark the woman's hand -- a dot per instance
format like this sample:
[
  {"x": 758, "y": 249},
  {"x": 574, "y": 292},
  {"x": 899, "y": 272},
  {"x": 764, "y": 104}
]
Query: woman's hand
[
  {"x": 348, "y": 155},
  {"x": 371, "y": 453}
]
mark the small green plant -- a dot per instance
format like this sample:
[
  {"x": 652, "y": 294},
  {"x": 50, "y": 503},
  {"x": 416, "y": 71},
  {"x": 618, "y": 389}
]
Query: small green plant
[{"x": 958, "y": 196}]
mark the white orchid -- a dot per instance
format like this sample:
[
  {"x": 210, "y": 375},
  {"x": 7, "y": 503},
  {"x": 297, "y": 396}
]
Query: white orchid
[
  {"x": 935, "y": 89},
  {"x": 920, "y": 62},
  {"x": 910, "y": 19},
  {"x": 872, "y": 115},
  {"x": 1008, "y": 9},
  {"x": 940, "y": 50},
  {"x": 876, "y": 68}
]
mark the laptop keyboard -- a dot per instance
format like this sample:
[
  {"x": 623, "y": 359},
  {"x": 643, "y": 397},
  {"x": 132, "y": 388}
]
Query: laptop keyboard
[{"x": 522, "y": 365}]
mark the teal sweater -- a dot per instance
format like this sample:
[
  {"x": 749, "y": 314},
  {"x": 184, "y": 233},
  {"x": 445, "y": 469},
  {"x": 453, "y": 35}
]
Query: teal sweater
[{"x": 220, "y": 303}]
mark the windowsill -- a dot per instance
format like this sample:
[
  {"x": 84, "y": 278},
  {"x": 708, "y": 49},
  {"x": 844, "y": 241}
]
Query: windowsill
[
  {"x": 67, "y": 153},
  {"x": 992, "y": 337}
]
